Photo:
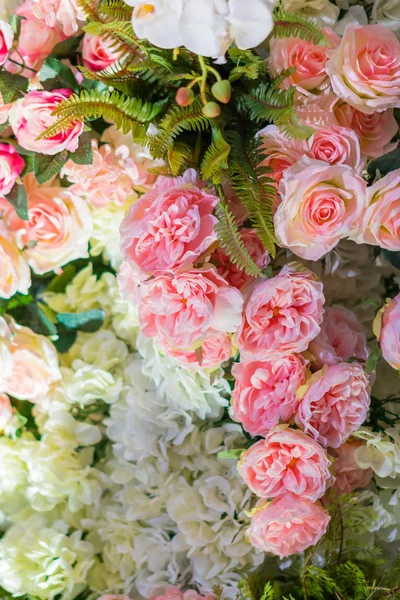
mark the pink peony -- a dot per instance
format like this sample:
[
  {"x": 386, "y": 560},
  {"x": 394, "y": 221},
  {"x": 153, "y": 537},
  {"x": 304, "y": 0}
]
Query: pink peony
[
  {"x": 11, "y": 165},
  {"x": 34, "y": 365},
  {"x": 342, "y": 337},
  {"x": 281, "y": 315},
  {"x": 336, "y": 146},
  {"x": 6, "y": 40},
  {"x": 365, "y": 68},
  {"x": 97, "y": 53},
  {"x": 6, "y": 412},
  {"x": 335, "y": 403},
  {"x": 281, "y": 152},
  {"x": 171, "y": 226},
  {"x": 58, "y": 228},
  {"x": 215, "y": 349},
  {"x": 265, "y": 392},
  {"x": 30, "y": 116},
  {"x": 389, "y": 337},
  {"x": 61, "y": 14},
  {"x": 180, "y": 308},
  {"x": 15, "y": 275},
  {"x": 231, "y": 272},
  {"x": 374, "y": 130},
  {"x": 349, "y": 476},
  {"x": 287, "y": 460},
  {"x": 288, "y": 525},
  {"x": 308, "y": 59},
  {"x": 321, "y": 204},
  {"x": 174, "y": 593},
  {"x": 380, "y": 224}
]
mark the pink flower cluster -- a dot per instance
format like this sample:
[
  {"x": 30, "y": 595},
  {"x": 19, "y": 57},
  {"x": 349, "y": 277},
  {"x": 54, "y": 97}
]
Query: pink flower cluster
[{"x": 387, "y": 330}]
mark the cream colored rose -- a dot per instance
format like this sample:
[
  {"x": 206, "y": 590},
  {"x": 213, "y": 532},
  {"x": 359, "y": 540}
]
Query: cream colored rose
[{"x": 15, "y": 275}]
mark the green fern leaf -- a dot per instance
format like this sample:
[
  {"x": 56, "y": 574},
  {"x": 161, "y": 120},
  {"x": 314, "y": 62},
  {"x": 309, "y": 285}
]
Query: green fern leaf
[
  {"x": 178, "y": 157},
  {"x": 232, "y": 242},
  {"x": 288, "y": 24},
  {"x": 116, "y": 10},
  {"x": 248, "y": 64},
  {"x": 216, "y": 157},
  {"x": 120, "y": 34},
  {"x": 265, "y": 102},
  {"x": 268, "y": 593},
  {"x": 89, "y": 8}
]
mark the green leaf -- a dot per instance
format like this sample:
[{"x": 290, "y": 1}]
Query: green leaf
[
  {"x": 216, "y": 157},
  {"x": 84, "y": 154},
  {"x": 54, "y": 74},
  {"x": 384, "y": 164},
  {"x": 293, "y": 24},
  {"x": 12, "y": 86},
  {"x": 90, "y": 320},
  {"x": 19, "y": 199},
  {"x": 46, "y": 166},
  {"x": 65, "y": 340},
  {"x": 392, "y": 257},
  {"x": 372, "y": 359},
  {"x": 65, "y": 48},
  {"x": 60, "y": 282},
  {"x": 29, "y": 161},
  {"x": 47, "y": 318},
  {"x": 231, "y": 453},
  {"x": 15, "y": 23}
]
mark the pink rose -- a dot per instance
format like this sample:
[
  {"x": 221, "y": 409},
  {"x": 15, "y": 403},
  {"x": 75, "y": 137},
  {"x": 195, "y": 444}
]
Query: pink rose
[
  {"x": 231, "y": 272},
  {"x": 6, "y": 412},
  {"x": 6, "y": 40},
  {"x": 265, "y": 392},
  {"x": 309, "y": 61},
  {"x": 287, "y": 460},
  {"x": 281, "y": 152},
  {"x": 97, "y": 53},
  {"x": 374, "y": 130},
  {"x": 62, "y": 14},
  {"x": 336, "y": 146},
  {"x": 181, "y": 308},
  {"x": 11, "y": 165},
  {"x": 288, "y": 525},
  {"x": 174, "y": 593},
  {"x": 215, "y": 349},
  {"x": 321, "y": 204},
  {"x": 110, "y": 179},
  {"x": 365, "y": 68},
  {"x": 380, "y": 225},
  {"x": 389, "y": 337},
  {"x": 170, "y": 226},
  {"x": 349, "y": 476},
  {"x": 281, "y": 315},
  {"x": 342, "y": 337},
  {"x": 15, "y": 275},
  {"x": 58, "y": 228},
  {"x": 30, "y": 116},
  {"x": 335, "y": 404},
  {"x": 5, "y": 353},
  {"x": 34, "y": 365}
]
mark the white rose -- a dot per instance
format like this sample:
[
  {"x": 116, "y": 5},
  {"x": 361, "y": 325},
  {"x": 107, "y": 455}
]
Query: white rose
[{"x": 387, "y": 12}]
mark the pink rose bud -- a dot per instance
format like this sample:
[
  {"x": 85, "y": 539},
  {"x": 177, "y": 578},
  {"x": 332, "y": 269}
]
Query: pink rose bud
[
  {"x": 11, "y": 166},
  {"x": 97, "y": 53},
  {"x": 288, "y": 525},
  {"x": 6, "y": 40},
  {"x": 184, "y": 96},
  {"x": 389, "y": 335}
]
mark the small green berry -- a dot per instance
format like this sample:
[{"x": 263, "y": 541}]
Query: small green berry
[
  {"x": 184, "y": 96},
  {"x": 222, "y": 91},
  {"x": 211, "y": 110}
]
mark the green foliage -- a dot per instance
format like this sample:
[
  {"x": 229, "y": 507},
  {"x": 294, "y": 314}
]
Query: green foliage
[
  {"x": 90, "y": 320},
  {"x": 384, "y": 164},
  {"x": 54, "y": 75},
  {"x": 231, "y": 453},
  {"x": 19, "y": 199},
  {"x": 392, "y": 257},
  {"x": 83, "y": 155},
  {"x": 248, "y": 65},
  {"x": 46, "y": 166},
  {"x": 373, "y": 358},
  {"x": 12, "y": 86},
  {"x": 119, "y": 33},
  {"x": 244, "y": 591},
  {"x": 287, "y": 24},
  {"x": 116, "y": 10},
  {"x": 14, "y": 302},
  {"x": 216, "y": 157}
]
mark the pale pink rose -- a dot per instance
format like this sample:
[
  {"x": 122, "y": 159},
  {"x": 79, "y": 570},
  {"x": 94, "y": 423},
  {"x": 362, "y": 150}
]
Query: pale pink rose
[
  {"x": 282, "y": 315},
  {"x": 6, "y": 40},
  {"x": 15, "y": 275},
  {"x": 389, "y": 338},
  {"x": 30, "y": 116},
  {"x": 349, "y": 476},
  {"x": 110, "y": 179},
  {"x": 174, "y": 593},
  {"x": 113, "y": 597},
  {"x": 215, "y": 349},
  {"x": 171, "y": 226},
  {"x": 231, "y": 272},
  {"x": 380, "y": 225},
  {"x": 11, "y": 165},
  {"x": 4, "y": 112},
  {"x": 287, "y": 460},
  {"x": 321, "y": 204},
  {"x": 265, "y": 392},
  {"x": 365, "y": 68},
  {"x": 281, "y": 152},
  {"x": 336, "y": 146},
  {"x": 61, "y": 14},
  {"x": 335, "y": 404},
  {"x": 6, "y": 412},
  {"x": 341, "y": 337},
  {"x": 97, "y": 53},
  {"x": 34, "y": 365},
  {"x": 58, "y": 228},
  {"x": 181, "y": 308},
  {"x": 288, "y": 525},
  {"x": 308, "y": 59},
  {"x": 374, "y": 130}
]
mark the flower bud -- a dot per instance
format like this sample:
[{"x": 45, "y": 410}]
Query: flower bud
[
  {"x": 184, "y": 96},
  {"x": 211, "y": 110},
  {"x": 222, "y": 90}
]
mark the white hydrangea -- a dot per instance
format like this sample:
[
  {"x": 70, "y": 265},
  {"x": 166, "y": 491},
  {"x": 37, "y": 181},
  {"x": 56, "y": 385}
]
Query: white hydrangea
[
  {"x": 105, "y": 235},
  {"x": 387, "y": 12},
  {"x": 81, "y": 293},
  {"x": 381, "y": 452},
  {"x": 43, "y": 561},
  {"x": 323, "y": 12}
]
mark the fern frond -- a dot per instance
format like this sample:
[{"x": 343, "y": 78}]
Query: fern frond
[
  {"x": 216, "y": 157},
  {"x": 89, "y": 8},
  {"x": 163, "y": 170},
  {"x": 128, "y": 114},
  {"x": 292, "y": 127},
  {"x": 248, "y": 64},
  {"x": 288, "y": 24},
  {"x": 178, "y": 156},
  {"x": 232, "y": 242},
  {"x": 244, "y": 591},
  {"x": 268, "y": 592},
  {"x": 119, "y": 33},
  {"x": 116, "y": 10},
  {"x": 265, "y": 102}
]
